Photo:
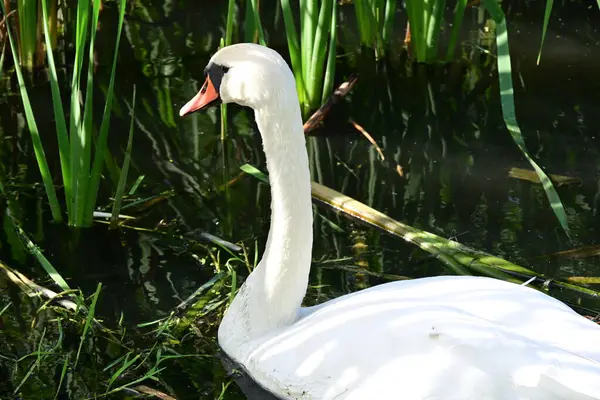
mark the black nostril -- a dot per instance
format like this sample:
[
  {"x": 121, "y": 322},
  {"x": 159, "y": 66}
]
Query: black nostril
[{"x": 204, "y": 87}]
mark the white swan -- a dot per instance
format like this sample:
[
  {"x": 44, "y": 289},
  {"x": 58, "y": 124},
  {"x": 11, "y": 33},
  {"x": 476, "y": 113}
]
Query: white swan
[{"x": 436, "y": 338}]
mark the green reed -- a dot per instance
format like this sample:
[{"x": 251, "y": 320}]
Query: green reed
[
  {"x": 28, "y": 32},
  {"x": 81, "y": 162},
  {"x": 375, "y": 20},
  {"x": 509, "y": 114},
  {"x": 38, "y": 148},
  {"x": 313, "y": 56},
  {"x": 425, "y": 20}
]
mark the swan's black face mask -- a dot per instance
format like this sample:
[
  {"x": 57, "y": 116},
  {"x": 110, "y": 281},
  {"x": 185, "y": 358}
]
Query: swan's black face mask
[{"x": 209, "y": 93}]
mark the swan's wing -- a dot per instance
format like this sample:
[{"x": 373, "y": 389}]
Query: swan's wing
[
  {"x": 441, "y": 353},
  {"x": 514, "y": 363}
]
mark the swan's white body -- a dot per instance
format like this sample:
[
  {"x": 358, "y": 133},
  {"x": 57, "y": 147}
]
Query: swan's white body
[{"x": 445, "y": 338}]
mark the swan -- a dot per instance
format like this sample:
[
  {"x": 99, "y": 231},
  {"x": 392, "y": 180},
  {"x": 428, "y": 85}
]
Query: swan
[{"x": 442, "y": 338}]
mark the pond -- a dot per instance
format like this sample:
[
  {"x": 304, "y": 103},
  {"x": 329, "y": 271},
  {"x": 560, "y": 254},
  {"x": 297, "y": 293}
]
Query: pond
[{"x": 444, "y": 163}]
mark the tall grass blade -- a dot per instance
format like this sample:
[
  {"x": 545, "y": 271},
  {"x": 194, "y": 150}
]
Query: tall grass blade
[
  {"x": 62, "y": 133},
  {"x": 308, "y": 21},
  {"x": 257, "y": 23},
  {"x": 459, "y": 13},
  {"x": 2, "y": 60},
  {"x": 547, "y": 13},
  {"x": 88, "y": 321},
  {"x": 63, "y": 373},
  {"x": 255, "y": 172},
  {"x": 318, "y": 53},
  {"x": 33, "y": 130},
  {"x": 294, "y": 47},
  {"x": 331, "y": 58},
  {"x": 114, "y": 218},
  {"x": 27, "y": 12},
  {"x": 433, "y": 31},
  {"x": 250, "y": 31},
  {"x": 229, "y": 23},
  {"x": 39, "y": 256},
  {"x": 510, "y": 119},
  {"x": 416, "y": 18},
  {"x": 85, "y": 135},
  {"x": 75, "y": 122},
  {"x": 388, "y": 20},
  {"x": 360, "y": 10},
  {"x": 101, "y": 142}
]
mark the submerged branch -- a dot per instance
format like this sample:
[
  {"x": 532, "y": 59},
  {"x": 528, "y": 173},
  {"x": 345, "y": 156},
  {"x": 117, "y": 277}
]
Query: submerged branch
[{"x": 320, "y": 114}]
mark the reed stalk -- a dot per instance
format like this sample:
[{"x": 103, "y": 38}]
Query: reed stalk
[
  {"x": 312, "y": 57},
  {"x": 375, "y": 20},
  {"x": 81, "y": 178},
  {"x": 33, "y": 129},
  {"x": 28, "y": 15},
  {"x": 509, "y": 113}
]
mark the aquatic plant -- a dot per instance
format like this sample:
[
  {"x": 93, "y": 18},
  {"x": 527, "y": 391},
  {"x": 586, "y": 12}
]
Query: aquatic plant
[
  {"x": 313, "y": 56},
  {"x": 375, "y": 20},
  {"x": 509, "y": 114},
  {"x": 31, "y": 46},
  {"x": 81, "y": 168}
]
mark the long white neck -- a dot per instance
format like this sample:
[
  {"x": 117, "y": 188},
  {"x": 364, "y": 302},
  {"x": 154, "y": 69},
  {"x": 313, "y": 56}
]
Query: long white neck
[{"x": 272, "y": 294}]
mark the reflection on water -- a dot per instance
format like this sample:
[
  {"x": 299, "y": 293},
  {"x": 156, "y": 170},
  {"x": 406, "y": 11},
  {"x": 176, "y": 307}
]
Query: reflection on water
[{"x": 447, "y": 157}]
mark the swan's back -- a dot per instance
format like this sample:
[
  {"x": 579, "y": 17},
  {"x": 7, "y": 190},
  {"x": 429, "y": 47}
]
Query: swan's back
[{"x": 437, "y": 338}]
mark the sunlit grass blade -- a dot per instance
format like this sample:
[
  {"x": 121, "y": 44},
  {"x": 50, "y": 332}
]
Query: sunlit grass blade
[
  {"x": 39, "y": 256},
  {"x": 33, "y": 129},
  {"x": 59, "y": 115},
  {"x": 118, "y": 373},
  {"x": 433, "y": 29},
  {"x": 5, "y": 308},
  {"x": 317, "y": 63},
  {"x": 85, "y": 134},
  {"x": 293, "y": 47},
  {"x": 308, "y": 21},
  {"x": 101, "y": 142},
  {"x": 2, "y": 60},
  {"x": 88, "y": 321},
  {"x": 114, "y": 218},
  {"x": 388, "y": 20},
  {"x": 136, "y": 184},
  {"x": 63, "y": 373},
  {"x": 547, "y": 13},
  {"x": 255, "y": 172},
  {"x": 510, "y": 119},
  {"x": 331, "y": 57},
  {"x": 75, "y": 122}
]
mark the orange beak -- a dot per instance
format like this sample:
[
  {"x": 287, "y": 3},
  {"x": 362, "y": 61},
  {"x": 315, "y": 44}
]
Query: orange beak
[{"x": 207, "y": 95}]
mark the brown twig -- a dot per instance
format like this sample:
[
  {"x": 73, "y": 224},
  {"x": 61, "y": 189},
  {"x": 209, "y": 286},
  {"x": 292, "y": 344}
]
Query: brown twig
[
  {"x": 407, "y": 38},
  {"x": 3, "y": 24},
  {"x": 368, "y": 136},
  {"x": 339, "y": 93},
  {"x": 153, "y": 392}
]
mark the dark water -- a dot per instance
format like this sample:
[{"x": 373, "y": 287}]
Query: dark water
[{"x": 447, "y": 157}]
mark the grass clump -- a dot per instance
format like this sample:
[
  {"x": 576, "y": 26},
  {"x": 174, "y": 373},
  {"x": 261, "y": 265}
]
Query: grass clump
[{"x": 81, "y": 156}]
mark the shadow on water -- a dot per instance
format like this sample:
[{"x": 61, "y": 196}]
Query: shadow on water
[{"x": 447, "y": 157}]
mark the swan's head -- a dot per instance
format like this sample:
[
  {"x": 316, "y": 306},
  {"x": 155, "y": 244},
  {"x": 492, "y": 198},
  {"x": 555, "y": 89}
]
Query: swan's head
[{"x": 246, "y": 74}]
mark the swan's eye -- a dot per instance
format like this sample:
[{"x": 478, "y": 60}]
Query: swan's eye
[{"x": 225, "y": 69}]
